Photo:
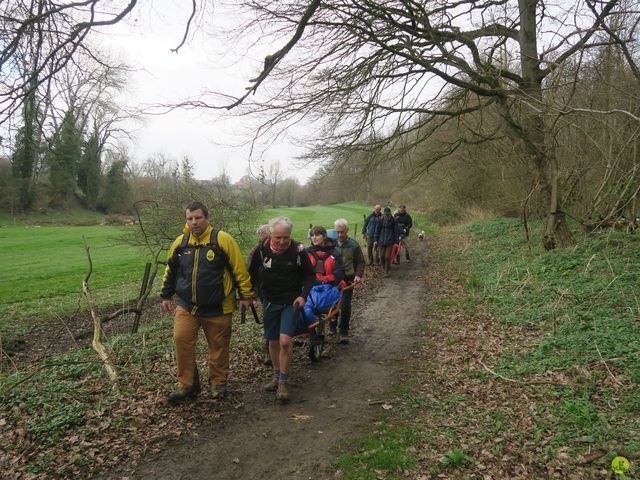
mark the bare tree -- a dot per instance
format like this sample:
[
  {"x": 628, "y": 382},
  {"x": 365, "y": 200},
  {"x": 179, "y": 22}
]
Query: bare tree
[
  {"x": 377, "y": 72},
  {"x": 374, "y": 73},
  {"x": 271, "y": 177},
  {"x": 38, "y": 38}
]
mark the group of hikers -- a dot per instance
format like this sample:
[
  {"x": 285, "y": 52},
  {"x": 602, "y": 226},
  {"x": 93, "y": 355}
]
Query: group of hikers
[
  {"x": 385, "y": 234},
  {"x": 206, "y": 273}
]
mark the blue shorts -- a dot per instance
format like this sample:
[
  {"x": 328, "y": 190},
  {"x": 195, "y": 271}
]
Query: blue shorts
[{"x": 278, "y": 319}]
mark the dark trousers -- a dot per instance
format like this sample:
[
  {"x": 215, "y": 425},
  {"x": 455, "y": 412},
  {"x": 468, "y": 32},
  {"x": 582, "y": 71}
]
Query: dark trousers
[
  {"x": 371, "y": 251},
  {"x": 385, "y": 257},
  {"x": 345, "y": 310}
]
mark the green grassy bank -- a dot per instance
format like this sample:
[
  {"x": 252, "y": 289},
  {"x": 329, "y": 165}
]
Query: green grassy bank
[{"x": 528, "y": 364}]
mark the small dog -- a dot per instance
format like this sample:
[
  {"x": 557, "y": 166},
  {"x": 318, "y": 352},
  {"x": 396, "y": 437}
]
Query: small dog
[{"x": 421, "y": 235}]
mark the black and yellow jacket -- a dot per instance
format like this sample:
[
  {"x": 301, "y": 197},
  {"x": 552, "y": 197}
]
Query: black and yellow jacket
[{"x": 203, "y": 273}]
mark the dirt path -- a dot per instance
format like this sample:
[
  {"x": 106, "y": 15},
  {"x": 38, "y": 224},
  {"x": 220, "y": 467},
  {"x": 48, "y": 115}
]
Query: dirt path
[{"x": 258, "y": 438}]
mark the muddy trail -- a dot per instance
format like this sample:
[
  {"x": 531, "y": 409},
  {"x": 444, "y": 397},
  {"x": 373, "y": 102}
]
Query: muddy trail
[{"x": 331, "y": 400}]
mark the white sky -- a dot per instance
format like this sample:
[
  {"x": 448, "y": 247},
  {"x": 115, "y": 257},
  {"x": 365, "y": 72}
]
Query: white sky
[{"x": 144, "y": 41}]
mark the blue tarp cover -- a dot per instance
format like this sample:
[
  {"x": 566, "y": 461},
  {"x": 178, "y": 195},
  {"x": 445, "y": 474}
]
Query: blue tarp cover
[{"x": 320, "y": 300}]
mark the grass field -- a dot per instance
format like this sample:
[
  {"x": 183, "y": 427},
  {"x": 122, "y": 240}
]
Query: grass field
[
  {"x": 43, "y": 266},
  {"x": 321, "y": 215},
  {"x": 326, "y": 215}
]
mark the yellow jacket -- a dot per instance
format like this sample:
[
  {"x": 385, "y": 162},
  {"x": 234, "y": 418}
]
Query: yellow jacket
[{"x": 200, "y": 276}]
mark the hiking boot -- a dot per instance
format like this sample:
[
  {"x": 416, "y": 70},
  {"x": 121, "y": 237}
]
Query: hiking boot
[
  {"x": 344, "y": 338},
  {"x": 182, "y": 395},
  {"x": 282, "y": 393},
  {"x": 219, "y": 391},
  {"x": 272, "y": 386}
]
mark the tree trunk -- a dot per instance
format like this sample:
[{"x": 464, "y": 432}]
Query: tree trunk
[
  {"x": 556, "y": 226},
  {"x": 534, "y": 133}
]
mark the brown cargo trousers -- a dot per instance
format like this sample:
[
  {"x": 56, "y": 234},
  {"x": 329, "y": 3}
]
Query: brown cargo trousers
[{"x": 217, "y": 330}]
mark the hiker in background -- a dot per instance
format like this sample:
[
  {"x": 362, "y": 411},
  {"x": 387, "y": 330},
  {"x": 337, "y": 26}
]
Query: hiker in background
[
  {"x": 284, "y": 275},
  {"x": 405, "y": 222},
  {"x": 263, "y": 232},
  {"x": 386, "y": 235},
  {"x": 204, "y": 267},
  {"x": 368, "y": 233},
  {"x": 353, "y": 262}
]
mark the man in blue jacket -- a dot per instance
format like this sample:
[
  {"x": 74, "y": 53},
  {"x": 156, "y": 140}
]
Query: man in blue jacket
[{"x": 368, "y": 232}]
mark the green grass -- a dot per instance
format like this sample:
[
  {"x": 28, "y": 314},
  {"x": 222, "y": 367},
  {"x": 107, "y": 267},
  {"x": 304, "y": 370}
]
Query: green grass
[
  {"x": 69, "y": 398},
  {"x": 43, "y": 268},
  {"x": 584, "y": 303},
  {"x": 323, "y": 215},
  {"x": 584, "y": 296},
  {"x": 385, "y": 451},
  {"x": 68, "y": 409},
  {"x": 581, "y": 306}
]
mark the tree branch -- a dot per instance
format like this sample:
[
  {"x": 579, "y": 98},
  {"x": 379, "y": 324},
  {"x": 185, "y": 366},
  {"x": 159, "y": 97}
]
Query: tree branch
[
  {"x": 188, "y": 26},
  {"x": 270, "y": 61}
]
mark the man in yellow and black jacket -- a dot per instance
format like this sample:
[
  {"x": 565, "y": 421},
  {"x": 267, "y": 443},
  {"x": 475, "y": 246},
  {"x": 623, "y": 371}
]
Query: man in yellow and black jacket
[{"x": 205, "y": 267}]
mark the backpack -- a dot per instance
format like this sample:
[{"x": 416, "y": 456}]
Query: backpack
[
  {"x": 319, "y": 265},
  {"x": 215, "y": 246}
]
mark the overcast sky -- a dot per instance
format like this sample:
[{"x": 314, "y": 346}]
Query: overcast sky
[{"x": 203, "y": 63}]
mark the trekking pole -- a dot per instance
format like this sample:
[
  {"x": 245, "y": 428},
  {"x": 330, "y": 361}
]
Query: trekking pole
[
  {"x": 255, "y": 315},
  {"x": 243, "y": 315}
]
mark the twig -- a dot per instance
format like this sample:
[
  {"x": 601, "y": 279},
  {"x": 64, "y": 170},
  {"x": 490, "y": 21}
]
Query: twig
[
  {"x": 607, "y": 366},
  {"x": 68, "y": 329},
  {"x": 602, "y": 451},
  {"x": 520, "y": 382},
  {"x": 186, "y": 30},
  {"x": 377, "y": 402},
  {"x": 97, "y": 324},
  {"x": 589, "y": 263},
  {"x": 498, "y": 375}
]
